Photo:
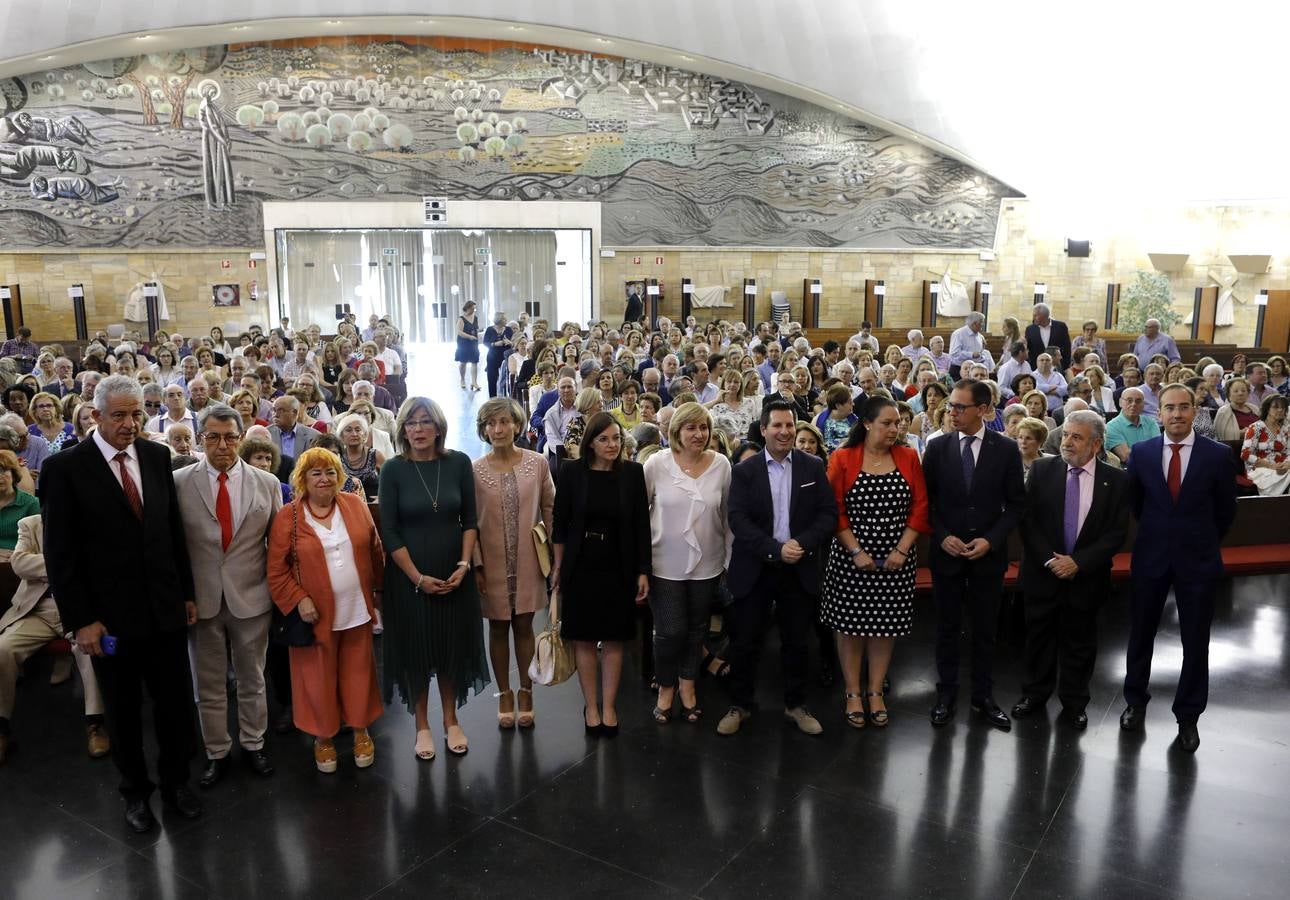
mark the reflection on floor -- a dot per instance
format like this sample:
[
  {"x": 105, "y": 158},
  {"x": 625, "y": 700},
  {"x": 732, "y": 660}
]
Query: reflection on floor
[{"x": 964, "y": 811}]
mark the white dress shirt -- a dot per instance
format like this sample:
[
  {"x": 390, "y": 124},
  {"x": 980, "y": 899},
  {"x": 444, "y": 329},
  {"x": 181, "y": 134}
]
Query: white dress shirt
[
  {"x": 346, "y": 589},
  {"x": 976, "y": 444},
  {"x": 234, "y": 485},
  {"x": 1184, "y": 454},
  {"x": 132, "y": 463}
]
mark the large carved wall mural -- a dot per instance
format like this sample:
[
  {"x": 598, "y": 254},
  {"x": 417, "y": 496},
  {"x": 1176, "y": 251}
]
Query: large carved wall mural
[{"x": 180, "y": 149}]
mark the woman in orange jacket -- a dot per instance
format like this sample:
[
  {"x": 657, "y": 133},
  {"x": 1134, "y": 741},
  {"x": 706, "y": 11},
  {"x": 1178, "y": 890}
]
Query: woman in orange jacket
[{"x": 326, "y": 562}]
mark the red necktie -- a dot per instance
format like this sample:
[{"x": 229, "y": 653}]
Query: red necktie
[
  {"x": 131, "y": 489},
  {"x": 224, "y": 512},
  {"x": 1175, "y": 472}
]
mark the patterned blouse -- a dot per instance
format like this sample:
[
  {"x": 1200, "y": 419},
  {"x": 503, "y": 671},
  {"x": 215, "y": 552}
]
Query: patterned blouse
[{"x": 1262, "y": 443}]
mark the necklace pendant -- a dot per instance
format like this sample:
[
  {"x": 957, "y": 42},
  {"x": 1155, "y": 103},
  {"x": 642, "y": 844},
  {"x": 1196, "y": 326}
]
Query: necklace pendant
[{"x": 434, "y": 504}]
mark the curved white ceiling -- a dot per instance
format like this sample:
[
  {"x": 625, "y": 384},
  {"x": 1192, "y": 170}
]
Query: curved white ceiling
[{"x": 1080, "y": 103}]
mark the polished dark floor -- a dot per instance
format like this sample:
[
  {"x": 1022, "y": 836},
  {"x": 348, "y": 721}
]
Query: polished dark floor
[{"x": 963, "y": 811}]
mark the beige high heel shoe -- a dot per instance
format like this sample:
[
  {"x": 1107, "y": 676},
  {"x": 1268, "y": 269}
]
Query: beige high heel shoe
[
  {"x": 425, "y": 745},
  {"x": 505, "y": 717},
  {"x": 526, "y": 718}
]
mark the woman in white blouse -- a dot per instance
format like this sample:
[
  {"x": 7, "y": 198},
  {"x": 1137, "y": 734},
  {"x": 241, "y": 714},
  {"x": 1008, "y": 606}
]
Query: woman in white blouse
[{"x": 688, "y": 487}]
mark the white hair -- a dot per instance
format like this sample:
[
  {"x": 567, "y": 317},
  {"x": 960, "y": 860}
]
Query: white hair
[
  {"x": 1043, "y": 308},
  {"x": 912, "y": 332},
  {"x": 1091, "y": 419},
  {"x": 1074, "y": 404},
  {"x": 975, "y": 316},
  {"x": 344, "y": 421},
  {"x": 116, "y": 386},
  {"x": 1212, "y": 367},
  {"x": 362, "y": 383}
]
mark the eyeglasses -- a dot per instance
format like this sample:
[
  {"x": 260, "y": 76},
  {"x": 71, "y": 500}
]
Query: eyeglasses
[
  {"x": 419, "y": 423},
  {"x": 963, "y": 407},
  {"x": 214, "y": 440},
  {"x": 150, "y": 404}
]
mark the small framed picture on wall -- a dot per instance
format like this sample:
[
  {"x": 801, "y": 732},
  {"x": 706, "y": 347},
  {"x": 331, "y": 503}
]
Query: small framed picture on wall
[{"x": 226, "y": 295}]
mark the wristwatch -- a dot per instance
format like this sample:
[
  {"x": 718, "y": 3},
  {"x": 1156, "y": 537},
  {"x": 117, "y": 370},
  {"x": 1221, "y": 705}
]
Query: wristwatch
[{"x": 856, "y": 552}]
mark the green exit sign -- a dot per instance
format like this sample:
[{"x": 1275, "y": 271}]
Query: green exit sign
[{"x": 481, "y": 251}]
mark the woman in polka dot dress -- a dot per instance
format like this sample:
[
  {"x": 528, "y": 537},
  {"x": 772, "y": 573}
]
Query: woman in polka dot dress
[{"x": 868, "y": 591}]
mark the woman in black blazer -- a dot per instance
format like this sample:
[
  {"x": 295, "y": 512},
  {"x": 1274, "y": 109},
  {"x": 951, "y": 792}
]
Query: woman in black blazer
[{"x": 601, "y": 534}]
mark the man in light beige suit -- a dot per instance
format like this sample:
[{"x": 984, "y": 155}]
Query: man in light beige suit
[
  {"x": 31, "y": 622},
  {"x": 227, "y": 508}
]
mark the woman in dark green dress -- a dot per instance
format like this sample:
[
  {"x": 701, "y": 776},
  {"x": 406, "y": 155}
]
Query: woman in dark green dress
[{"x": 433, "y": 625}]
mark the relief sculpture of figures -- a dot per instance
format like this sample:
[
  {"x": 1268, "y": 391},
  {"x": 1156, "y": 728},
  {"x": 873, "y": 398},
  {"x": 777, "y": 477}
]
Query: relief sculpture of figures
[
  {"x": 21, "y": 163},
  {"x": 76, "y": 188},
  {"x": 24, "y": 128},
  {"x": 217, "y": 166}
]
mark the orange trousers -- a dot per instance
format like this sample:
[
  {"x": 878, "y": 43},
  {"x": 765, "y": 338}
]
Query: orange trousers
[{"x": 335, "y": 679}]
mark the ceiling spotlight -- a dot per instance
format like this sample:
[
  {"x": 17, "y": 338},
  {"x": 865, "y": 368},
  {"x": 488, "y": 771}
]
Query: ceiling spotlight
[
  {"x": 516, "y": 27},
  {"x": 604, "y": 40},
  {"x": 687, "y": 58},
  {"x": 144, "y": 37},
  {"x": 241, "y": 27},
  {"x": 47, "y": 58},
  {"x": 333, "y": 22}
]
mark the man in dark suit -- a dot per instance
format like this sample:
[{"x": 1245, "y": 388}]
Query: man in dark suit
[
  {"x": 138, "y": 589},
  {"x": 1077, "y": 511},
  {"x": 977, "y": 494},
  {"x": 1182, "y": 488},
  {"x": 1046, "y": 333},
  {"x": 782, "y": 515}
]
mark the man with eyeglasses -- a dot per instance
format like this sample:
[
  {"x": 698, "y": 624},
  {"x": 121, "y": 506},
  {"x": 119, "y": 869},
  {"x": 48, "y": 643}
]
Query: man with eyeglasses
[
  {"x": 977, "y": 495},
  {"x": 227, "y": 508},
  {"x": 1182, "y": 489}
]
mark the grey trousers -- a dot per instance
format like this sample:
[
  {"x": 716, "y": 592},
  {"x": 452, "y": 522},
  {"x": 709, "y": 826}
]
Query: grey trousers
[{"x": 249, "y": 640}]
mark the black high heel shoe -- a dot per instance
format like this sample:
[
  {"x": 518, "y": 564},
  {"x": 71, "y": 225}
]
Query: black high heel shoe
[{"x": 592, "y": 730}]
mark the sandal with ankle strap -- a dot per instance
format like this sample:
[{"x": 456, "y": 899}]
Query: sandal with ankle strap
[
  {"x": 878, "y": 717},
  {"x": 855, "y": 718}
]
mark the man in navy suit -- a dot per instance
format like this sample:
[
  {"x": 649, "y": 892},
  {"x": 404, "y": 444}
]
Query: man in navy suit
[
  {"x": 1045, "y": 333},
  {"x": 977, "y": 493},
  {"x": 782, "y": 515},
  {"x": 1182, "y": 488}
]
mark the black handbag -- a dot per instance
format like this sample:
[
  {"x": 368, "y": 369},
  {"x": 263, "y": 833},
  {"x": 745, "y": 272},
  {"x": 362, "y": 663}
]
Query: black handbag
[{"x": 290, "y": 630}]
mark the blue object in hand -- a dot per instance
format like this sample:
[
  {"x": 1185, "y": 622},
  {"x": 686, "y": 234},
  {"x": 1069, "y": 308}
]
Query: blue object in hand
[{"x": 108, "y": 643}]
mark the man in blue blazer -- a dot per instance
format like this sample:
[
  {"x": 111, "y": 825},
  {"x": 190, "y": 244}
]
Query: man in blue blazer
[
  {"x": 1182, "y": 489},
  {"x": 782, "y": 515},
  {"x": 977, "y": 495}
]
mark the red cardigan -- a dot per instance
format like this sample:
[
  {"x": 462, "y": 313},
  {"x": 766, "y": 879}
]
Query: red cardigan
[{"x": 844, "y": 469}]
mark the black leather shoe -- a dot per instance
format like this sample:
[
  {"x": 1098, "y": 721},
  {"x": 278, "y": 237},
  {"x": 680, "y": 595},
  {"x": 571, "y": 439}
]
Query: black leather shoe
[
  {"x": 992, "y": 713},
  {"x": 942, "y": 712},
  {"x": 284, "y": 723},
  {"x": 138, "y": 815},
  {"x": 258, "y": 762},
  {"x": 1133, "y": 717},
  {"x": 1025, "y": 706},
  {"x": 214, "y": 771},
  {"x": 1076, "y": 718},
  {"x": 1188, "y": 736},
  {"x": 183, "y": 801}
]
